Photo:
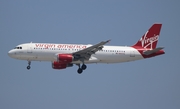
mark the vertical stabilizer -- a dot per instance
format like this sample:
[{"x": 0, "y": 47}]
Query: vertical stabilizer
[{"x": 150, "y": 38}]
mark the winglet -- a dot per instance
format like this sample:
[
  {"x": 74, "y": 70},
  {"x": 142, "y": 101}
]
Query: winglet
[{"x": 108, "y": 41}]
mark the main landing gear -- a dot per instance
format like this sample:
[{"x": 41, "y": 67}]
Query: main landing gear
[
  {"x": 81, "y": 68},
  {"x": 29, "y": 63}
]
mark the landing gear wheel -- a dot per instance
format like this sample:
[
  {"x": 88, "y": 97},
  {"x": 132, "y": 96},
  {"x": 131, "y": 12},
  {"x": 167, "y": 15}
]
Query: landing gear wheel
[
  {"x": 79, "y": 70},
  {"x": 28, "y": 67},
  {"x": 29, "y": 63},
  {"x": 83, "y": 67}
]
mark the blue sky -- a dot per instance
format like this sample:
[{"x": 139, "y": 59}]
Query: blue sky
[{"x": 146, "y": 84}]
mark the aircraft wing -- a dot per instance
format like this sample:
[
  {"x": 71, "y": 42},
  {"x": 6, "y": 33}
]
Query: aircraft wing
[
  {"x": 149, "y": 52},
  {"x": 87, "y": 52}
]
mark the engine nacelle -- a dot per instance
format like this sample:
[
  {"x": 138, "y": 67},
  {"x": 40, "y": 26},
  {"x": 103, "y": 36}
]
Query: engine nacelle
[
  {"x": 65, "y": 58},
  {"x": 57, "y": 65}
]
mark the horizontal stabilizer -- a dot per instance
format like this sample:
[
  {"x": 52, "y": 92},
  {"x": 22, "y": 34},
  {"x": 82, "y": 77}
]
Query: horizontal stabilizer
[{"x": 149, "y": 52}]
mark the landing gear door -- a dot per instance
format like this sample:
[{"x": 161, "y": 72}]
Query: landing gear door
[{"x": 29, "y": 48}]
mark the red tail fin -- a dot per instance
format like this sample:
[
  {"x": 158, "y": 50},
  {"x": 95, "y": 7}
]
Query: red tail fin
[{"x": 150, "y": 38}]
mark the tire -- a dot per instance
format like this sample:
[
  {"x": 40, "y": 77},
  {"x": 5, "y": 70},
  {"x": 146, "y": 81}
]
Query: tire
[
  {"x": 83, "y": 67},
  {"x": 28, "y": 67},
  {"x": 79, "y": 70}
]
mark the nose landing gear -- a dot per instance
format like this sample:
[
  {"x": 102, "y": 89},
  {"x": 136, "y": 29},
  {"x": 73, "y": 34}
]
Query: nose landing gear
[{"x": 29, "y": 63}]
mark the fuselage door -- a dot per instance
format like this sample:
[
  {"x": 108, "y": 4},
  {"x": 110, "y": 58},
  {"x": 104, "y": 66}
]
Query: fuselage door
[
  {"x": 29, "y": 48},
  {"x": 132, "y": 53}
]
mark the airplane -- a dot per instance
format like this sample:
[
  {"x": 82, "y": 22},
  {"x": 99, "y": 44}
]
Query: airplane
[{"x": 66, "y": 55}]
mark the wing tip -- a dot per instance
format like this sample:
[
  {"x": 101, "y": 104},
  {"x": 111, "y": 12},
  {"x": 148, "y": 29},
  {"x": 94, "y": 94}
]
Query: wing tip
[{"x": 108, "y": 40}]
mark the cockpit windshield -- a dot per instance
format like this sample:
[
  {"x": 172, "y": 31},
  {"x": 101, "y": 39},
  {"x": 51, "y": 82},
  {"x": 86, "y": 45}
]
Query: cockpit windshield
[{"x": 18, "y": 48}]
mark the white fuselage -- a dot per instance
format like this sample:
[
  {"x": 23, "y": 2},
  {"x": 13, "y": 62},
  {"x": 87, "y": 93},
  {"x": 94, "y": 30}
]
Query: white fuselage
[
  {"x": 66, "y": 55},
  {"x": 48, "y": 52}
]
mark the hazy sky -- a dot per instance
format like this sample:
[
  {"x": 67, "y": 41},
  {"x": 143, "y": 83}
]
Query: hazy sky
[{"x": 145, "y": 84}]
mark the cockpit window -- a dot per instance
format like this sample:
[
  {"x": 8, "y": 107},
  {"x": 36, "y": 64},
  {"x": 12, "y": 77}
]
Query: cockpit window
[{"x": 18, "y": 48}]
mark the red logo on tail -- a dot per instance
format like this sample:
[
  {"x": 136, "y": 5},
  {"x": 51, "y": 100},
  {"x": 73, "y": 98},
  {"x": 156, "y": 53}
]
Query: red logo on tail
[{"x": 150, "y": 38}]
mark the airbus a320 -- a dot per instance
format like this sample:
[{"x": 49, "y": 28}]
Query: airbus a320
[{"x": 66, "y": 55}]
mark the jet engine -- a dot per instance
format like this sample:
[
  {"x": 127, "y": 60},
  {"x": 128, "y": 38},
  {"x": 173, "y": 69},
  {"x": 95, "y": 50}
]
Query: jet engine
[
  {"x": 57, "y": 65},
  {"x": 60, "y": 65},
  {"x": 65, "y": 58}
]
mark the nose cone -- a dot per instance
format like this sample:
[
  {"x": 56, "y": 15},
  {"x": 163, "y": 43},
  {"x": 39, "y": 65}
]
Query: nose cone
[{"x": 11, "y": 53}]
